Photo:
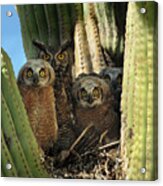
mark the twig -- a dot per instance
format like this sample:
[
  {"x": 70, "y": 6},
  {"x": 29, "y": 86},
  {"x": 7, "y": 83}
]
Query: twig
[
  {"x": 109, "y": 145},
  {"x": 66, "y": 153},
  {"x": 101, "y": 148},
  {"x": 80, "y": 137}
]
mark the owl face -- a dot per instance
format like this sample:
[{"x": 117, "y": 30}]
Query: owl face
[
  {"x": 114, "y": 75},
  {"x": 90, "y": 91},
  {"x": 36, "y": 73},
  {"x": 59, "y": 59}
]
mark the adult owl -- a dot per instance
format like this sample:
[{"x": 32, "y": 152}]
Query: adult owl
[
  {"x": 61, "y": 60},
  {"x": 94, "y": 101},
  {"x": 35, "y": 81}
]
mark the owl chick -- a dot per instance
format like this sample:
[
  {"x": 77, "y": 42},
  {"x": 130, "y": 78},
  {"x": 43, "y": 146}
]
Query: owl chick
[
  {"x": 61, "y": 61},
  {"x": 35, "y": 82},
  {"x": 94, "y": 105},
  {"x": 114, "y": 76}
]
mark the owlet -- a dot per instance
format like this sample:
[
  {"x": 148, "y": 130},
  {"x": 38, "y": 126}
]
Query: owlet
[{"x": 35, "y": 81}]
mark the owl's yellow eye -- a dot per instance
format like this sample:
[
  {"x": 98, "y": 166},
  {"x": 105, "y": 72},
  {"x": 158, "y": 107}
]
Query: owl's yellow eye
[
  {"x": 46, "y": 57},
  {"x": 42, "y": 73},
  {"x": 29, "y": 73},
  {"x": 61, "y": 56},
  {"x": 96, "y": 93},
  {"x": 83, "y": 93}
]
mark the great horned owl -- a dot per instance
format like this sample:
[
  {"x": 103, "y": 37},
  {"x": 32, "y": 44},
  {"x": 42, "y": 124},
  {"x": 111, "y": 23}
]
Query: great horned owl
[
  {"x": 114, "y": 76},
  {"x": 94, "y": 105},
  {"x": 59, "y": 58},
  {"x": 61, "y": 61},
  {"x": 35, "y": 82}
]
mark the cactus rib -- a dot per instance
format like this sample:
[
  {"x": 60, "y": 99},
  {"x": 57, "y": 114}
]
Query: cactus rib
[
  {"x": 13, "y": 142},
  {"x": 18, "y": 114},
  {"x": 5, "y": 159}
]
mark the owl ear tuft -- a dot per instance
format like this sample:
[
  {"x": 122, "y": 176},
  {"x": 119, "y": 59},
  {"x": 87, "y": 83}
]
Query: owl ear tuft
[
  {"x": 67, "y": 43},
  {"x": 40, "y": 45}
]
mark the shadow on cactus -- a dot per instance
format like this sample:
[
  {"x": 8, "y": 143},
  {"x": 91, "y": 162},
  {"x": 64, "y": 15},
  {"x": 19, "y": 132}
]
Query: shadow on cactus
[{"x": 84, "y": 104}]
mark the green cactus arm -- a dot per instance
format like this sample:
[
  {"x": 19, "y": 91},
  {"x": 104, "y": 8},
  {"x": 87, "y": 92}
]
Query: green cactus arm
[
  {"x": 20, "y": 119},
  {"x": 152, "y": 106},
  {"x": 138, "y": 132},
  {"x": 14, "y": 145},
  {"x": 64, "y": 18},
  {"x": 29, "y": 29},
  {"x": 5, "y": 159},
  {"x": 111, "y": 24},
  {"x": 106, "y": 21},
  {"x": 41, "y": 22},
  {"x": 52, "y": 23},
  {"x": 71, "y": 10},
  {"x": 127, "y": 101},
  {"x": 78, "y": 8},
  {"x": 25, "y": 32}
]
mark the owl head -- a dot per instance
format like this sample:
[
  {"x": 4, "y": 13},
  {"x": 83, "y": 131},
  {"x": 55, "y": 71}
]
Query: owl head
[
  {"x": 58, "y": 59},
  {"x": 36, "y": 73},
  {"x": 90, "y": 91},
  {"x": 114, "y": 75}
]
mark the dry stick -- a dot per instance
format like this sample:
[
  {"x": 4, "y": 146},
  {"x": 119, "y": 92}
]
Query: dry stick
[
  {"x": 80, "y": 137},
  {"x": 109, "y": 145},
  {"x": 65, "y": 154},
  {"x": 102, "y": 147},
  {"x": 103, "y": 135}
]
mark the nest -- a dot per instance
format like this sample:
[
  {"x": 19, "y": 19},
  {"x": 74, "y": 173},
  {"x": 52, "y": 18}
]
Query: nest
[{"x": 100, "y": 163}]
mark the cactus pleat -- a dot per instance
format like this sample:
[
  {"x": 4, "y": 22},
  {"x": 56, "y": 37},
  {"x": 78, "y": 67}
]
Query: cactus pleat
[
  {"x": 82, "y": 56},
  {"x": 110, "y": 30},
  {"x": 52, "y": 25},
  {"x": 152, "y": 93},
  {"x": 22, "y": 127},
  {"x": 13, "y": 143},
  {"x": 92, "y": 32},
  {"x": 29, "y": 29},
  {"x": 26, "y": 35},
  {"x": 5, "y": 159},
  {"x": 64, "y": 18},
  {"x": 137, "y": 140},
  {"x": 41, "y": 22}
]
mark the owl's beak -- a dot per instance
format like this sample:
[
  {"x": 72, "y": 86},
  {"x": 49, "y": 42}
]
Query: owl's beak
[
  {"x": 35, "y": 80},
  {"x": 90, "y": 100}
]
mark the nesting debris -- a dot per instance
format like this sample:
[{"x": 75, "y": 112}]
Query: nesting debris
[{"x": 102, "y": 163}]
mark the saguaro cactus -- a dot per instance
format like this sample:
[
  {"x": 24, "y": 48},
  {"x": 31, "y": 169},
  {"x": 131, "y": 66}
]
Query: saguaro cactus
[
  {"x": 53, "y": 24},
  {"x": 20, "y": 147},
  {"x": 139, "y": 96}
]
